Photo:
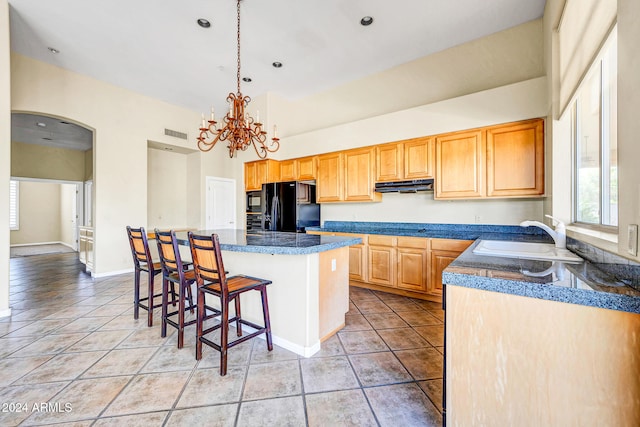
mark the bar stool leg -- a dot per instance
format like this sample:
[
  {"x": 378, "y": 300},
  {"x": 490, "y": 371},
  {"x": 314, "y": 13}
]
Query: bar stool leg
[
  {"x": 238, "y": 315},
  {"x": 224, "y": 335},
  {"x": 136, "y": 294},
  {"x": 181, "y": 292},
  {"x": 265, "y": 314},
  {"x": 199, "y": 324},
  {"x": 190, "y": 297},
  {"x": 165, "y": 302},
  {"x": 150, "y": 300}
]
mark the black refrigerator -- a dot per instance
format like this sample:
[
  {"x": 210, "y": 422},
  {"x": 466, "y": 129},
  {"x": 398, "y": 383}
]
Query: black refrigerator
[{"x": 289, "y": 206}]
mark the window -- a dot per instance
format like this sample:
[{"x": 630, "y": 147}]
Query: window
[
  {"x": 14, "y": 202},
  {"x": 595, "y": 137}
]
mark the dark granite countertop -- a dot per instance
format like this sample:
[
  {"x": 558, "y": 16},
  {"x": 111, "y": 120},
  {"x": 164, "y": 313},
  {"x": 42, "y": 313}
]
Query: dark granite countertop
[
  {"x": 587, "y": 283},
  {"x": 439, "y": 231},
  {"x": 273, "y": 242},
  {"x": 582, "y": 284}
]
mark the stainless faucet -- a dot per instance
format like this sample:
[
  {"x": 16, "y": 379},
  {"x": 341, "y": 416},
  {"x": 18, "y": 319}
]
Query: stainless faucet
[{"x": 559, "y": 235}]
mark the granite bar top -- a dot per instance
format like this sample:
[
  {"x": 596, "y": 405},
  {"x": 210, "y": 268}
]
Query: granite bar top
[
  {"x": 273, "y": 242},
  {"x": 582, "y": 284},
  {"x": 440, "y": 231}
]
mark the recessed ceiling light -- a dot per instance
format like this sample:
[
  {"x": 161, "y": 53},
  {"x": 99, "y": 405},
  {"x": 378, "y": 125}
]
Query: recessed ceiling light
[
  {"x": 53, "y": 50},
  {"x": 204, "y": 23},
  {"x": 246, "y": 79},
  {"x": 168, "y": 148},
  {"x": 277, "y": 64},
  {"x": 47, "y": 139},
  {"x": 42, "y": 125},
  {"x": 65, "y": 123},
  {"x": 367, "y": 20}
]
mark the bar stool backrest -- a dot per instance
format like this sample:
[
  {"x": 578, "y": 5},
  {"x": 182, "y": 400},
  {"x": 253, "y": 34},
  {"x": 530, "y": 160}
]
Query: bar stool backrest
[
  {"x": 169, "y": 253},
  {"x": 207, "y": 260},
  {"x": 140, "y": 249}
]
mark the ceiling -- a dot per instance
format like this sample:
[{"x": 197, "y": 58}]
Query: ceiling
[
  {"x": 157, "y": 49},
  {"x": 50, "y": 131}
]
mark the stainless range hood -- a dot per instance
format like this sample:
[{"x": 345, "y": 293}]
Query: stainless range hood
[{"x": 412, "y": 186}]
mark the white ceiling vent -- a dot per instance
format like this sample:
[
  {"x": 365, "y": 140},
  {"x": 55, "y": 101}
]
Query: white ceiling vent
[{"x": 175, "y": 134}]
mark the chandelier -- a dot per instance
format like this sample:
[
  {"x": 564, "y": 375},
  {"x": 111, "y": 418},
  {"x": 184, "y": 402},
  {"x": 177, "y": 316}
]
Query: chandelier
[{"x": 239, "y": 129}]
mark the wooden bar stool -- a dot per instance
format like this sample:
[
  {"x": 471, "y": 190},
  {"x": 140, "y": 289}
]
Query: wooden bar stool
[
  {"x": 174, "y": 272},
  {"x": 142, "y": 261},
  {"x": 212, "y": 280}
]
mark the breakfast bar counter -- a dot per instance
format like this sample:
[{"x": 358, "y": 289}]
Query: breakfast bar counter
[{"x": 309, "y": 295}]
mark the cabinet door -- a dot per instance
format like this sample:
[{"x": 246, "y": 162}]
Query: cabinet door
[
  {"x": 389, "y": 162},
  {"x": 288, "y": 170},
  {"x": 460, "y": 163},
  {"x": 267, "y": 171},
  {"x": 306, "y": 168},
  {"x": 439, "y": 261},
  {"x": 382, "y": 260},
  {"x": 330, "y": 182},
  {"x": 418, "y": 158},
  {"x": 358, "y": 263},
  {"x": 515, "y": 159},
  {"x": 412, "y": 269},
  {"x": 251, "y": 178},
  {"x": 359, "y": 175}
]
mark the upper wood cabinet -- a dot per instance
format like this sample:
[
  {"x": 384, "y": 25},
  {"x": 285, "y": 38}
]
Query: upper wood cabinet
[
  {"x": 330, "y": 182},
  {"x": 515, "y": 159},
  {"x": 359, "y": 175},
  {"x": 260, "y": 172},
  {"x": 460, "y": 165},
  {"x": 306, "y": 168},
  {"x": 410, "y": 159},
  {"x": 288, "y": 170},
  {"x": 418, "y": 158}
]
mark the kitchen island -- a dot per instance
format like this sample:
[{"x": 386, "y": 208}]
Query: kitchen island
[
  {"x": 310, "y": 292},
  {"x": 541, "y": 343}
]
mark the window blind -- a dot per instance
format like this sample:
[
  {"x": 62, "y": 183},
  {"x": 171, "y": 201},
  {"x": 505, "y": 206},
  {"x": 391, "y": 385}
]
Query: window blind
[
  {"x": 14, "y": 202},
  {"x": 582, "y": 30}
]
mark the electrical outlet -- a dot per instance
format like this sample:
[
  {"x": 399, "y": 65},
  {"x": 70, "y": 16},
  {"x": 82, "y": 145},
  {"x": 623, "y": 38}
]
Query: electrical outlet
[
  {"x": 333, "y": 265},
  {"x": 632, "y": 247}
]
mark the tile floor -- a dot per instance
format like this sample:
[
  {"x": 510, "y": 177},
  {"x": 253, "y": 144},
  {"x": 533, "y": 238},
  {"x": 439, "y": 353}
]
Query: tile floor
[{"x": 71, "y": 354}]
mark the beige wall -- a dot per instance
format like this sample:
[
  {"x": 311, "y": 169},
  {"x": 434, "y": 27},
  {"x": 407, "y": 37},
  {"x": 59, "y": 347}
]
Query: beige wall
[
  {"x": 39, "y": 161},
  {"x": 166, "y": 189},
  {"x": 123, "y": 122},
  {"x": 5, "y": 155},
  {"x": 39, "y": 213}
]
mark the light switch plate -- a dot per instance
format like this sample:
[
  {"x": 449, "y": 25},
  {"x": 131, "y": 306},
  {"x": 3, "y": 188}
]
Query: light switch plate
[{"x": 632, "y": 247}]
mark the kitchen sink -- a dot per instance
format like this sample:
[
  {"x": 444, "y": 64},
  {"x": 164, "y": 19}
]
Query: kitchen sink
[{"x": 526, "y": 250}]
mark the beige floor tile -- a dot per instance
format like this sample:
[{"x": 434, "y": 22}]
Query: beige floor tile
[
  {"x": 419, "y": 318},
  {"x": 146, "y": 337},
  {"x": 12, "y": 325},
  {"x": 359, "y": 294},
  {"x": 14, "y": 368},
  {"x": 339, "y": 408},
  {"x": 124, "y": 322},
  {"x": 10, "y": 345},
  {"x": 138, "y": 420},
  {"x": 402, "y": 405},
  {"x": 208, "y": 387},
  {"x": 361, "y": 342},
  {"x": 356, "y": 322},
  {"x": 330, "y": 347},
  {"x": 385, "y": 320},
  {"x": 211, "y": 416},
  {"x": 402, "y": 338},
  {"x": 433, "y": 334},
  {"x": 401, "y": 305},
  {"x": 422, "y": 363},
  {"x": 327, "y": 374},
  {"x": 38, "y": 328},
  {"x": 149, "y": 392},
  {"x": 236, "y": 356},
  {"x": 83, "y": 324},
  {"x": 375, "y": 369},
  {"x": 100, "y": 340},
  {"x": 63, "y": 367},
  {"x": 51, "y": 344},
  {"x": 70, "y": 312},
  {"x": 20, "y": 400},
  {"x": 372, "y": 306},
  {"x": 120, "y": 362},
  {"x": 275, "y": 379},
  {"x": 433, "y": 389},
  {"x": 110, "y": 310},
  {"x": 282, "y": 412},
  {"x": 171, "y": 359},
  {"x": 87, "y": 398},
  {"x": 261, "y": 354}
]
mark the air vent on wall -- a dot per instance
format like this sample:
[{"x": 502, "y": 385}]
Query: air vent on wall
[{"x": 175, "y": 134}]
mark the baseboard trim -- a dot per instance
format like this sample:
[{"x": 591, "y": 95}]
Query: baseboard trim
[
  {"x": 288, "y": 345},
  {"x": 111, "y": 273},
  {"x": 6, "y": 312},
  {"x": 40, "y": 243}
]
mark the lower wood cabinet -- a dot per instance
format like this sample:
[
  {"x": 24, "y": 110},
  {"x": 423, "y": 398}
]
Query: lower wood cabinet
[
  {"x": 409, "y": 266},
  {"x": 85, "y": 247}
]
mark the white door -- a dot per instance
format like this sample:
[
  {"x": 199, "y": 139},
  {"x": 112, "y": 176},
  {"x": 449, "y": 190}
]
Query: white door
[{"x": 220, "y": 203}]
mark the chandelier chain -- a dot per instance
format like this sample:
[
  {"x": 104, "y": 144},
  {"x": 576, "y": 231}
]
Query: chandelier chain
[{"x": 238, "y": 33}]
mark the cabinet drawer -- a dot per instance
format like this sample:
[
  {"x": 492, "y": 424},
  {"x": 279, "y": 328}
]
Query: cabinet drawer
[
  {"x": 450, "y": 245},
  {"x": 379, "y": 240},
  {"x": 412, "y": 242}
]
